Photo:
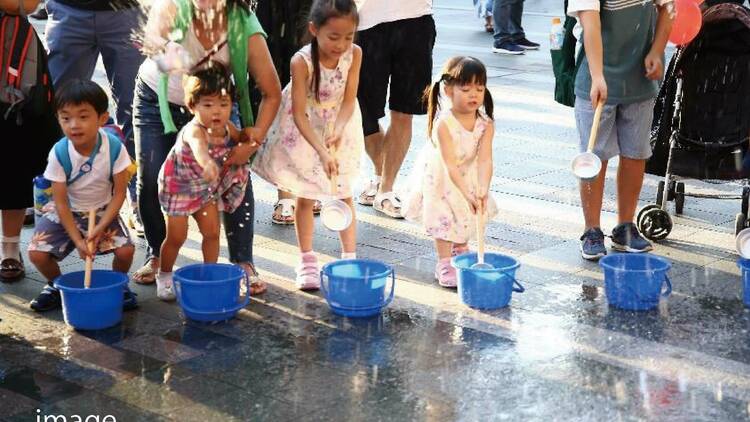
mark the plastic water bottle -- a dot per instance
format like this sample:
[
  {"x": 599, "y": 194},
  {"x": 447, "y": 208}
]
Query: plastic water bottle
[
  {"x": 42, "y": 194},
  {"x": 556, "y": 34}
]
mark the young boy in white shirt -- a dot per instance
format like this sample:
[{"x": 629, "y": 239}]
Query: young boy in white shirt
[{"x": 87, "y": 173}]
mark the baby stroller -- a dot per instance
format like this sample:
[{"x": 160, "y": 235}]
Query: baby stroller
[{"x": 702, "y": 118}]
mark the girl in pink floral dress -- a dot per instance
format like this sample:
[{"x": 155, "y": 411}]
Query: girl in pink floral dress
[
  {"x": 452, "y": 176},
  {"x": 318, "y": 132}
]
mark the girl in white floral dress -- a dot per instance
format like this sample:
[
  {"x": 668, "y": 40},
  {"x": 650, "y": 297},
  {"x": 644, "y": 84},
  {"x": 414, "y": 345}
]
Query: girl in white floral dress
[
  {"x": 451, "y": 179},
  {"x": 318, "y": 131}
]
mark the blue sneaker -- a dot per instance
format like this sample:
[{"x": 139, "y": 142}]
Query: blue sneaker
[
  {"x": 129, "y": 301},
  {"x": 507, "y": 47},
  {"x": 592, "y": 244},
  {"x": 627, "y": 238}
]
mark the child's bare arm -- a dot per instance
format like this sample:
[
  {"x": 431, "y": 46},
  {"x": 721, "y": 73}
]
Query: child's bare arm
[
  {"x": 62, "y": 207},
  {"x": 592, "y": 40},
  {"x": 299, "y": 104},
  {"x": 449, "y": 160},
  {"x": 198, "y": 142},
  {"x": 350, "y": 93},
  {"x": 484, "y": 159}
]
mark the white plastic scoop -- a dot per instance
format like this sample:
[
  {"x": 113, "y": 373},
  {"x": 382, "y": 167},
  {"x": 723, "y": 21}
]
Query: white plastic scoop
[
  {"x": 586, "y": 165},
  {"x": 335, "y": 214},
  {"x": 743, "y": 243}
]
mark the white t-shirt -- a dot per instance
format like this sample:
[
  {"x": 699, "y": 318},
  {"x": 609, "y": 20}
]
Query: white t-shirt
[
  {"x": 150, "y": 74},
  {"x": 92, "y": 190},
  {"x": 374, "y": 12}
]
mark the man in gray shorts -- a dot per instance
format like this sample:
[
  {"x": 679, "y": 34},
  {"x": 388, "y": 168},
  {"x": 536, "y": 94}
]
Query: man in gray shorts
[{"x": 627, "y": 84}]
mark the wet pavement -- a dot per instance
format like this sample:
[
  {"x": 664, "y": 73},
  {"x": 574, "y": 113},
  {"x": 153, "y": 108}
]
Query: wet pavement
[{"x": 557, "y": 353}]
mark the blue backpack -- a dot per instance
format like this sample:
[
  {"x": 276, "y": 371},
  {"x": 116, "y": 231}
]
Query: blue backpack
[{"x": 114, "y": 136}]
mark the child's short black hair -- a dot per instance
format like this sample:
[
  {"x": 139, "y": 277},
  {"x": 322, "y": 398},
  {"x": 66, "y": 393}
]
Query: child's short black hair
[
  {"x": 78, "y": 91},
  {"x": 213, "y": 80}
]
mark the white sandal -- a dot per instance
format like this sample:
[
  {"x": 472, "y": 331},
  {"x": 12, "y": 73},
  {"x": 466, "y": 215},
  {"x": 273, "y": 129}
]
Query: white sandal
[
  {"x": 287, "y": 212},
  {"x": 367, "y": 197},
  {"x": 395, "y": 208}
]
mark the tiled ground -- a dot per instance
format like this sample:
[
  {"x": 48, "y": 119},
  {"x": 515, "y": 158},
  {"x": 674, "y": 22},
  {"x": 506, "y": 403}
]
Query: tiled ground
[{"x": 557, "y": 353}]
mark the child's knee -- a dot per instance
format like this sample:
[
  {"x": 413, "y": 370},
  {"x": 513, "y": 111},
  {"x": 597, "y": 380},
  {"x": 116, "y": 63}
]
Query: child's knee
[
  {"x": 39, "y": 258},
  {"x": 211, "y": 233},
  {"x": 125, "y": 253},
  {"x": 305, "y": 204}
]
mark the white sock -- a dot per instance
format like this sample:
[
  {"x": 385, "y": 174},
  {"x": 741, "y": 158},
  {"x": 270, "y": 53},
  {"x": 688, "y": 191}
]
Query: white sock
[
  {"x": 10, "y": 247},
  {"x": 348, "y": 255},
  {"x": 164, "y": 278}
]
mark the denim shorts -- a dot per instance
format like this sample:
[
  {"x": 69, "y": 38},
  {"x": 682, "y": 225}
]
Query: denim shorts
[{"x": 624, "y": 130}]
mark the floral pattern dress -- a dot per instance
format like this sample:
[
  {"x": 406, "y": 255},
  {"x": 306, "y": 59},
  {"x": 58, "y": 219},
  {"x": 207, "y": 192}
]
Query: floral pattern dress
[
  {"x": 434, "y": 200},
  {"x": 182, "y": 188},
  {"x": 288, "y": 161}
]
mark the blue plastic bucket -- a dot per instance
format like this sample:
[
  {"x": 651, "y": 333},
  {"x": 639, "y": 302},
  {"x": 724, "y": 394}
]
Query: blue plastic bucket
[
  {"x": 356, "y": 287},
  {"x": 744, "y": 265},
  {"x": 634, "y": 281},
  {"x": 210, "y": 292},
  {"x": 95, "y": 308},
  {"x": 489, "y": 288}
]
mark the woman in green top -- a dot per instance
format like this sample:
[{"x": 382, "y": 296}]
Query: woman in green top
[{"x": 182, "y": 36}]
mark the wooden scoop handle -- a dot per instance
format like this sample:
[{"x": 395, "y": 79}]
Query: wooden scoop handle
[
  {"x": 89, "y": 260},
  {"x": 595, "y": 126},
  {"x": 480, "y": 234}
]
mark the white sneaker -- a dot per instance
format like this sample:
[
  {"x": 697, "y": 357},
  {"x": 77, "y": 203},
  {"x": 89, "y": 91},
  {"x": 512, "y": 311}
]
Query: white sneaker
[{"x": 164, "y": 288}]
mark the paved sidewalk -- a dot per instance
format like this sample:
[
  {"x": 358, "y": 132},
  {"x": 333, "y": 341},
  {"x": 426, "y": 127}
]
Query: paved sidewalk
[{"x": 557, "y": 353}]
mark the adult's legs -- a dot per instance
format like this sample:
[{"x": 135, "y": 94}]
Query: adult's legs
[
  {"x": 507, "y": 17},
  {"x": 239, "y": 228},
  {"x": 395, "y": 146},
  {"x": 71, "y": 41},
  {"x": 152, "y": 146},
  {"x": 121, "y": 59},
  {"x": 12, "y": 225}
]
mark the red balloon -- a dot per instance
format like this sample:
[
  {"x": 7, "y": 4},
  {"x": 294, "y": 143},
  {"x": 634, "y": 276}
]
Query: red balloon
[{"x": 687, "y": 22}]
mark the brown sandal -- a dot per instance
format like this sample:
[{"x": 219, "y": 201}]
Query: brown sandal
[
  {"x": 12, "y": 269},
  {"x": 257, "y": 286}
]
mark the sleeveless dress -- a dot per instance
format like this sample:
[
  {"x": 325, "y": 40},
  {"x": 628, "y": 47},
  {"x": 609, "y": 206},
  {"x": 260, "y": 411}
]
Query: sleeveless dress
[
  {"x": 289, "y": 162},
  {"x": 434, "y": 200},
  {"x": 184, "y": 191}
]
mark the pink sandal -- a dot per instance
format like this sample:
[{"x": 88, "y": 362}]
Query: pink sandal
[
  {"x": 445, "y": 273},
  {"x": 308, "y": 272}
]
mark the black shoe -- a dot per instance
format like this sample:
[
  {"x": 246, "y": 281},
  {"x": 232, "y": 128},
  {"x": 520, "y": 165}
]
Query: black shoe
[
  {"x": 527, "y": 45},
  {"x": 129, "y": 302},
  {"x": 40, "y": 14},
  {"x": 48, "y": 300}
]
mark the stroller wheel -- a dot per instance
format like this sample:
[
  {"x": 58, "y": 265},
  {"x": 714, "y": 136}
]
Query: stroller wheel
[
  {"x": 644, "y": 211},
  {"x": 679, "y": 198},
  {"x": 740, "y": 223},
  {"x": 654, "y": 223}
]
